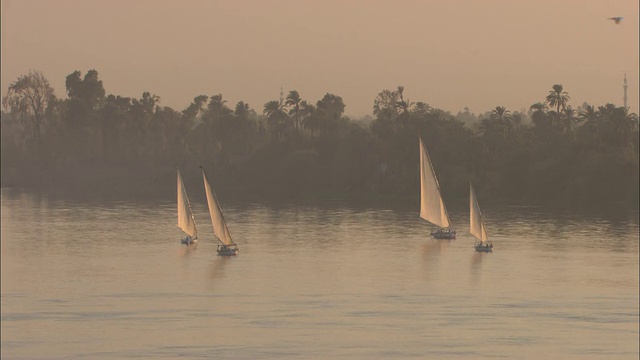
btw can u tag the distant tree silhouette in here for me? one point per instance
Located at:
(303, 148)
(293, 100)
(557, 97)
(28, 98)
(276, 117)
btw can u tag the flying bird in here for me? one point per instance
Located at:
(617, 19)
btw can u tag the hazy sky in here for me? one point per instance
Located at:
(448, 53)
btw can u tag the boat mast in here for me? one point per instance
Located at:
(182, 195)
(475, 207)
(435, 178)
(217, 204)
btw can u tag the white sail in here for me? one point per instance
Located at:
(476, 225)
(432, 207)
(217, 220)
(186, 221)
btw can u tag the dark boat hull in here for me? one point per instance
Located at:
(188, 241)
(444, 235)
(224, 250)
(484, 248)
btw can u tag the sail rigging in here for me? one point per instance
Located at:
(186, 221)
(476, 224)
(217, 219)
(432, 207)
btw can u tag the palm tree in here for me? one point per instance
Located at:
(623, 123)
(275, 116)
(538, 113)
(500, 113)
(558, 98)
(589, 115)
(242, 123)
(540, 117)
(242, 110)
(293, 99)
(421, 108)
(244, 128)
(502, 117)
(568, 117)
(615, 125)
(330, 108)
(539, 107)
(309, 120)
(217, 107)
(404, 106)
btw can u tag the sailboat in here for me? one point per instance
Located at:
(186, 221)
(476, 225)
(432, 207)
(220, 230)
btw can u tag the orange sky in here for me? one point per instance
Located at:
(448, 53)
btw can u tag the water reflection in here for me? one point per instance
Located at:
(476, 266)
(476, 260)
(432, 251)
(217, 267)
(186, 251)
(433, 248)
(333, 280)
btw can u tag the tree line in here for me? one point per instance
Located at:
(292, 148)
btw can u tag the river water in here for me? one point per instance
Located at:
(109, 279)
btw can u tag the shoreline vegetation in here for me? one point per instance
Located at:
(293, 150)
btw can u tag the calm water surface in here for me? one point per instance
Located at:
(110, 280)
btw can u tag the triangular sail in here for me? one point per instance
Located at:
(476, 225)
(217, 220)
(186, 221)
(432, 207)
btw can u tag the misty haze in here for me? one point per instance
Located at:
(362, 179)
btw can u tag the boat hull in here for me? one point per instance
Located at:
(484, 248)
(188, 241)
(444, 235)
(227, 250)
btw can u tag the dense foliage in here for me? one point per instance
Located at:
(294, 149)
